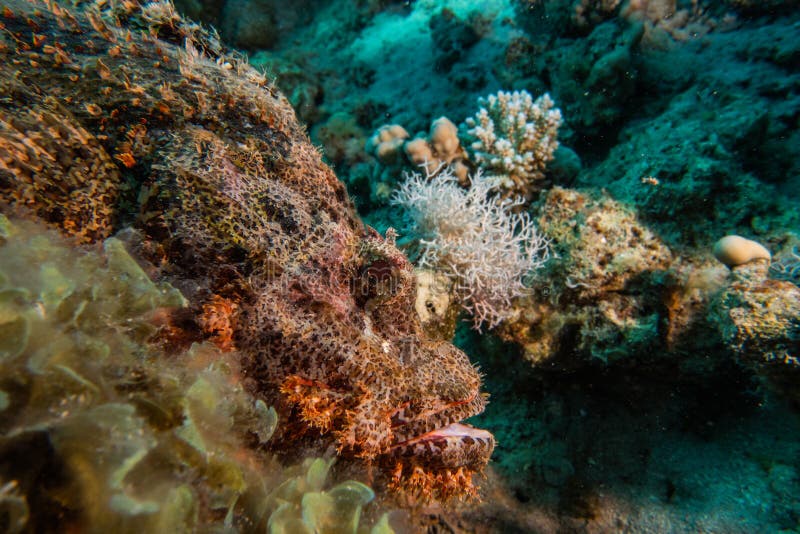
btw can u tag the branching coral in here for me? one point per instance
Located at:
(475, 239)
(513, 136)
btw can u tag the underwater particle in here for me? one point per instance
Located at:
(733, 250)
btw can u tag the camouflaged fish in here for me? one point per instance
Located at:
(122, 115)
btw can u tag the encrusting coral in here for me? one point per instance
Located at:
(236, 210)
(594, 297)
(759, 321)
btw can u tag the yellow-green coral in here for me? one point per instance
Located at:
(759, 322)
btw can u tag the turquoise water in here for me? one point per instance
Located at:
(599, 199)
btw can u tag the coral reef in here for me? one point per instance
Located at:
(236, 209)
(396, 152)
(694, 184)
(649, 446)
(475, 239)
(656, 398)
(590, 61)
(513, 137)
(638, 383)
(452, 37)
(343, 140)
(595, 297)
(759, 321)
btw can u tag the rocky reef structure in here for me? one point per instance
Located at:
(123, 115)
(759, 320)
(594, 298)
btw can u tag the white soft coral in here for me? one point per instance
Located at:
(473, 237)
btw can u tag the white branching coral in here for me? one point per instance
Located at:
(473, 236)
(513, 137)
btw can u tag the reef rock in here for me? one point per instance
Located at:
(759, 320)
(608, 268)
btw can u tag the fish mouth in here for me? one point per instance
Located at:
(453, 430)
(440, 464)
(408, 426)
(457, 445)
(438, 438)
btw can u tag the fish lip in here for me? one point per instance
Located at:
(476, 403)
(451, 430)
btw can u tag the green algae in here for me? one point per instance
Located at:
(128, 437)
(303, 506)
